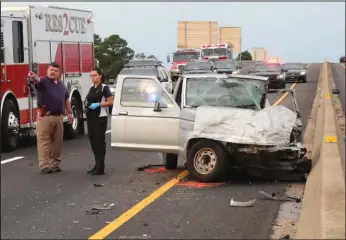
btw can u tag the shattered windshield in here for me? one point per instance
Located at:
(224, 92)
(195, 66)
(267, 68)
(293, 66)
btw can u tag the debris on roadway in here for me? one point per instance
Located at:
(99, 185)
(282, 199)
(242, 204)
(105, 206)
(148, 166)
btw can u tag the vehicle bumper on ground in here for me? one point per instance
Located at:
(276, 84)
(295, 78)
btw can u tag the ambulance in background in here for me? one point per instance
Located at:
(216, 52)
(31, 38)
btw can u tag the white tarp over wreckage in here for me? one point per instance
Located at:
(271, 126)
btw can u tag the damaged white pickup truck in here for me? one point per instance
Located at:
(213, 121)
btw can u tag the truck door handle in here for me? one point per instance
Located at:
(123, 113)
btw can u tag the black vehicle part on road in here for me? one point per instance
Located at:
(69, 130)
(9, 134)
(208, 147)
(170, 160)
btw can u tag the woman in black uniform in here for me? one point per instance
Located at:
(97, 103)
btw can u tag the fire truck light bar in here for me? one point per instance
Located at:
(214, 45)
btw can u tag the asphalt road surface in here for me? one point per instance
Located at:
(59, 205)
(338, 71)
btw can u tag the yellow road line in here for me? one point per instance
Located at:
(115, 224)
(111, 227)
(285, 95)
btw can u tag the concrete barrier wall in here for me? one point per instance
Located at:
(323, 210)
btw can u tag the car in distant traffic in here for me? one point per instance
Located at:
(198, 66)
(226, 66)
(342, 59)
(296, 72)
(272, 70)
(149, 67)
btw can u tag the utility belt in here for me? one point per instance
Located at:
(43, 112)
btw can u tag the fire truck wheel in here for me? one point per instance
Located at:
(72, 130)
(10, 126)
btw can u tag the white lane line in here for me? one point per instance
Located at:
(108, 131)
(308, 65)
(11, 160)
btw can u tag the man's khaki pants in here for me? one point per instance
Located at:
(50, 133)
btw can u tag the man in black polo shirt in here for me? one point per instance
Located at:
(52, 100)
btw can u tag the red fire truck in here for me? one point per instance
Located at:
(216, 52)
(180, 59)
(31, 38)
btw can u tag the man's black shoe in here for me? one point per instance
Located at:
(46, 170)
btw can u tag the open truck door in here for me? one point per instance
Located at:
(145, 117)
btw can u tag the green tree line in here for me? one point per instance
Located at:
(112, 53)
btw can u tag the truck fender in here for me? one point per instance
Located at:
(73, 90)
(5, 96)
(76, 91)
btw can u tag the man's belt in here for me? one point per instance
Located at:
(43, 112)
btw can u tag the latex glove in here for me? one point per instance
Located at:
(94, 106)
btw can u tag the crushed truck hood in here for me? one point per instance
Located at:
(271, 126)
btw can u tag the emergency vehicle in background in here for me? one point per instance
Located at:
(180, 59)
(31, 38)
(215, 52)
(273, 60)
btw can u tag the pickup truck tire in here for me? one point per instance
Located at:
(207, 161)
(170, 161)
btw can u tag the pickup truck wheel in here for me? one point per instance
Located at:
(170, 161)
(72, 130)
(9, 126)
(206, 161)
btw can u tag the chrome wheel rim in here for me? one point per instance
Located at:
(13, 126)
(205, 161)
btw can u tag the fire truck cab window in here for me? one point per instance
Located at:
(18, 41)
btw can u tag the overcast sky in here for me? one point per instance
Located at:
(296, 31)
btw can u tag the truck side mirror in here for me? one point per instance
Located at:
(168, 58)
